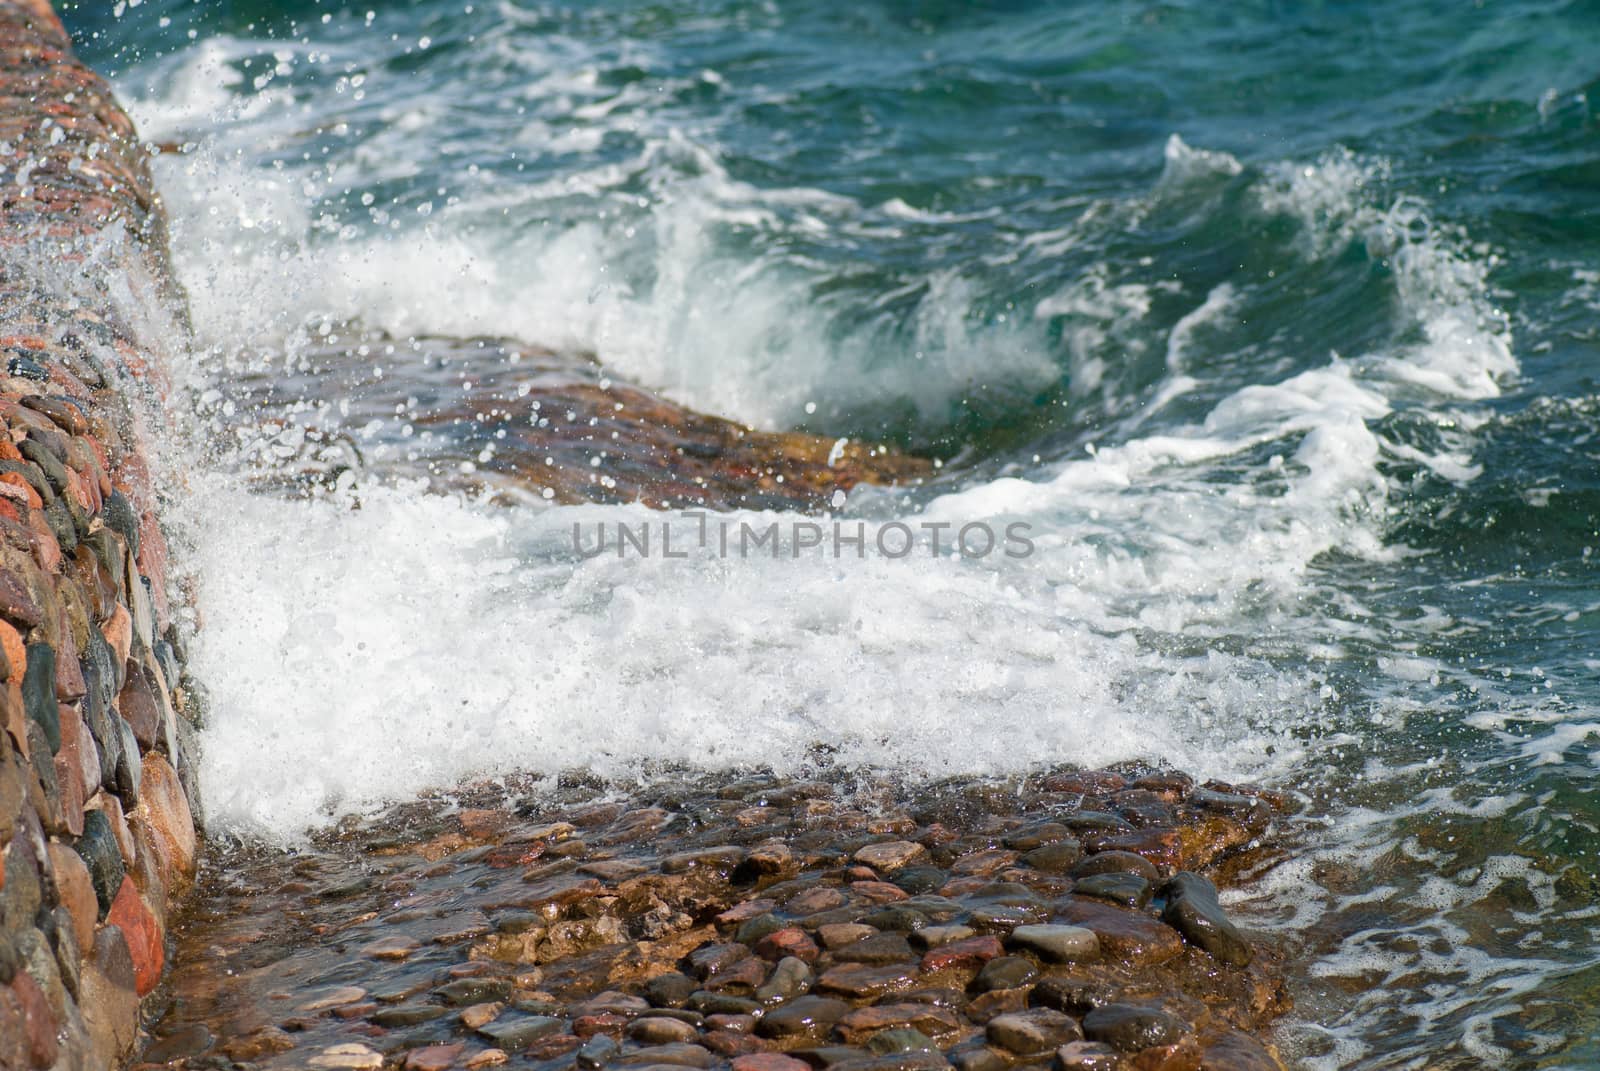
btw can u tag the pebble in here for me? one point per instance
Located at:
(769, 1061)
(930, 937)
(863, 1024)
(355, 1057)
(597, 1052)
(805, 1017)
(787, 942)
(518, 1031)
(1117, 862)
(1132, 1027)
(878, 950)
(888, 856)
(1090, 1056)
(675, 1055)
(659, 1030)
(1005, 972)
(1124, 934)
(1032, 1032)
(434, 1057)
(1192, 909)
(1131, 890)
(1057, 943)
(901, 1039)
(670, 990)
(838, 934)
(861, 981)
(790, 978)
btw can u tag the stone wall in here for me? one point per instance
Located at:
(97, 833)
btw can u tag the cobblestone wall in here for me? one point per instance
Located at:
(97, 833)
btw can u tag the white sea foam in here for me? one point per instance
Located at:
(360, 655)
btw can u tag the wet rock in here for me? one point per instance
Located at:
(659, 1030)
(1237, 1052)
(877, 950)
(394, 948)
(863, 1024)
(434, 1057)
(1133, 1027)
(1117, 862)
(1032, 1032)
(1130, 890)
(268, 1041)
(815, 900)
(967, 954)
(1003, 918)
(464, 991)
(1192, 909)
(77, 891)
(713, 959)
(164, 810)
(742, 978)
(480, 1014)
(789, 979)
(352, 1056)
(598, 1051)
(744, 912)
(1006, 972)
(920, 879)
(809, 1017)
(186, 1041)
(1057, 943)
(1077, 995)
(786, 943)
(859, 981)
(408, 1015)
(109, 1001)
(39, 692)
(1087, 1056)
(889, 856)
(901, 1041)
(30, 1025)
(896, 918)
(753, 930)
(986, 1006)
(518, 1031)
(722, 1004)
(839, 934)
(1124, 934)
(670, 990)
(324, 999)
(979, 1057)
(721, 860)
(674, 1055)
(143, 933)
(769, 1061)
(1055, 858)
(931, 937)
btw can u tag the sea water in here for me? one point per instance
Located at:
(1273, 324)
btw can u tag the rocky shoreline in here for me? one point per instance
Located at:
(1066, 921)
(97, 834)
(1069, 920)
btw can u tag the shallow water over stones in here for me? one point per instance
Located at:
(750, 923)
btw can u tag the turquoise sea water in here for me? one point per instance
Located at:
(1278, 320)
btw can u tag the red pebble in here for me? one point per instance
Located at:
(788, 942)
(879, 892)
(769, 1061)
(969, 954)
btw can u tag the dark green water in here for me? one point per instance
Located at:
(1278, 320)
